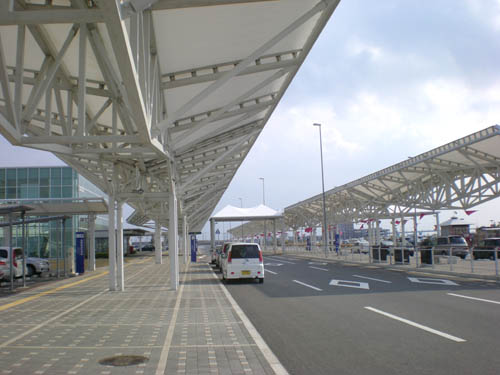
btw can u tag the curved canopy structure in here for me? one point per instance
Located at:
(151, 100)
(457, 175)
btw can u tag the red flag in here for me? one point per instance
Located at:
(422, 215)
(362, 225)
(470, 212)
(398, 222)
(364, 221)
(308, 229)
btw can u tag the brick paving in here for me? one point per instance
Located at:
(69, 330)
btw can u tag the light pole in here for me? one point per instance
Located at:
(264, 203)
(325, 239)
(242, 236)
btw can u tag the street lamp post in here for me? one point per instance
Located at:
(242, 236)
(264, 203)
(325, 239)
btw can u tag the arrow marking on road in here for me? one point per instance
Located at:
(431, 281)
(350, 284)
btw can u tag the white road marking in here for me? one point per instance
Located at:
(281, 260)
(371, 278)
(431, 281)
(318, 263)
(259, 341)
(317, 268)
(307, 285)
(474, 298)
(266, 270)
(350, 284)
(409, 322)
(273, 264)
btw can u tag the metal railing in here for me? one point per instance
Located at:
(475, 261)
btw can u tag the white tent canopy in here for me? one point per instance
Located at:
(260, 212)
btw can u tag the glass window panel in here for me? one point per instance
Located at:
(23, 192)
(67, 176)
(67, 191)
(33, 176)
(44, 191)
(11, 177)
(2, 192)
(55, 192)
(33, 192)
(2, 177)
(55, 176)
(44, 176)
(22, 176)
(11, 193)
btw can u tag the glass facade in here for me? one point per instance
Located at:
(20, 185)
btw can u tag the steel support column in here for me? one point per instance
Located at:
(173, 239)
(157, 241)
(119, 247)
(91, 231)
(112, 243)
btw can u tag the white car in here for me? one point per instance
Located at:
(5, 262)
(242, 261)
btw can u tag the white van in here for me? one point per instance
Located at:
(17, 265)
(242, 261)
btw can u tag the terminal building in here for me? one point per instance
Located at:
(49, 186)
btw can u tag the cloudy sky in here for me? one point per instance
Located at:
(387, 80)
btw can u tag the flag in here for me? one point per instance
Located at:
(398, 222)
(308, 229)
(422, 215)
(470, 212)
(362, 226)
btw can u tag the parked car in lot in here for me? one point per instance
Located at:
(37, 266)
(148, 247)
(17, 264)
(451, 245)
(242, 261)
(360, 245)
(487, 249)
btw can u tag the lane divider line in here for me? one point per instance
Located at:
(417, 325)
(274, 273)
(371, 278)
(318, 268)
(280, 260)
(307, 285)
(257, 338)
(473, 298)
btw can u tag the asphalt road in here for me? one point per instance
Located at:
(372, 321)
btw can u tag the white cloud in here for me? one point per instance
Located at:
(355, 46)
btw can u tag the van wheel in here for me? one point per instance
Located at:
(261, 281)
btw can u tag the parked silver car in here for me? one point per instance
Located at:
(37, 266)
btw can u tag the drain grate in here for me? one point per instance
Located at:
(123, 360)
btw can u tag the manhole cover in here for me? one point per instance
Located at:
(123, 360)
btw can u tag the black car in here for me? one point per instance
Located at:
(148, 247)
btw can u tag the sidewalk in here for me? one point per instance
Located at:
(71, 325)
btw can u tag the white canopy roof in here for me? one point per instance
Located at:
(232, 213)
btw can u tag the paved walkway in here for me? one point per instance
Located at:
(69, 326)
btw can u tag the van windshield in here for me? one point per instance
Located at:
(458, 240)
(244, 251)
(4, 253)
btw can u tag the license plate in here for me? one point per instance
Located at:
(245, 273)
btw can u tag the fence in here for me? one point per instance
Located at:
(475, 261)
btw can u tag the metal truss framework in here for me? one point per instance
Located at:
(149, 99)
(459, 175)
